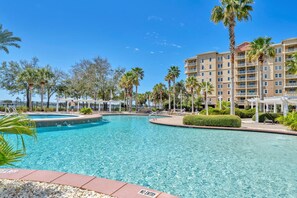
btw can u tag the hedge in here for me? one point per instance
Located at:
(86, 111)
(213, 120)
(270, 116)
(242, 113)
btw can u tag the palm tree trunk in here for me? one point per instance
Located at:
(27, 97)
(169, 95)
(30, 98)
(232, 50)
(130, 106)
(260, 83)
(174, 94)
(42, 90)
(192, 101)
(161, 101)
(136, 98)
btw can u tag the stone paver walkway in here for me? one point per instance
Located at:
(247, 125)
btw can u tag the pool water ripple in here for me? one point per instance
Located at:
(180, 161)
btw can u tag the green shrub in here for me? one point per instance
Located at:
(242, 113)
(270, 116)
(213, 120)
(22, 109)
(86, 111)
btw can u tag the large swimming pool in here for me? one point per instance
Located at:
(185, 162)
(47, 116)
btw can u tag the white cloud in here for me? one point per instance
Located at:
(136, 49)
(152, 52)
(154, 18)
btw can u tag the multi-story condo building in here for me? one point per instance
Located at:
(215, 67)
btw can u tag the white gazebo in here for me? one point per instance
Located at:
(88, 101)
(283, 101)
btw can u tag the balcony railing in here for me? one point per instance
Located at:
(242, 79)
(241, 65)
(240, 57)
(291, 76)
(190, 64)
(191, 70)
(292, 93)
(251, 64)
(291, 84)
(251, 78)
(251, 71)
(291, 50)
(241, 94)
(241, 86)
(251, 86)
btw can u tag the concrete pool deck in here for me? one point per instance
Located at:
(104, 186)
(247, 125)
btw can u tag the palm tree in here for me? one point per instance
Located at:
(292, 64)
(44, 75)
(169, 78)
(192, 84)
(127, 82)
(174, 72)
(148, 97)
(206, 88)
(139, 73)
(7, 39)
(229, 13)
(17, 125)
(159, 89)
(261, 50)
(29, 76)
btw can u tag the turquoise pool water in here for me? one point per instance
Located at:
(185, 162)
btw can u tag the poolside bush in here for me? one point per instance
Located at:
(290, 120)
(242, 113)
(213, 120)
(86, 111)
(270, 116)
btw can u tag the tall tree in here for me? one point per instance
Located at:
(292, 64)
(7, 40)
(159, 89)
(169, 78)
(44, 75)
(127, 82)
(191, 85)
(261, 50)
(139, 73)
(29, 76)
(174, 72)
(229, 12)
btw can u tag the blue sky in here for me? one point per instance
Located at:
(151, 34)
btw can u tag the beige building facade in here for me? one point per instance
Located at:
(215, 68)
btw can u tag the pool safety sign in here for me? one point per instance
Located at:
(148, 193)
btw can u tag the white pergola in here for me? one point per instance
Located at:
(283, 101)
(88, 101)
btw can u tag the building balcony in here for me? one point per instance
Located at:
(251, 86)
(241, 87)
(291, 50)
(289, 59)
(240, 57)
(291, 93)
(190, 64)
(241, 65)
(241, 72)
(291, 85)
(191, 71)
(240, 101)
(251, 79)
(251, 71)
(251, 64)
(291, 76)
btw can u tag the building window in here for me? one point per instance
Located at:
(202, 80)
(209, 59)
(228, 92)
(265, 91)
(280, 59)
(279, 50)
(228, 78)
(202, 60)
(265, 76)
(279, 75)
(228, 57)
(202, 74)
(276, 91)
(228, 85)
(228, 64)
(229, 99)
(280, 82)
(265, 83)
(202, 67)
(280, 91)
(210, 80)
(228, 71)
(276, 83)
(209, 66)
(265, 68)
(210, 73)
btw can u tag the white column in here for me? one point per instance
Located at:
(110, 106)
(252, 104)
(286, 108)
(67, 106)
(89, 104)
(57, 106)
(264, 109)
(99, 107)
(77, 106)
(120, 108)
(257, 110)
(274, 108)
(267, 107)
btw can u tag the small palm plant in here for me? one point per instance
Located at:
(19, 126)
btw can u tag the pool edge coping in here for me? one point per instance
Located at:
(254, 130)
(109, 187)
